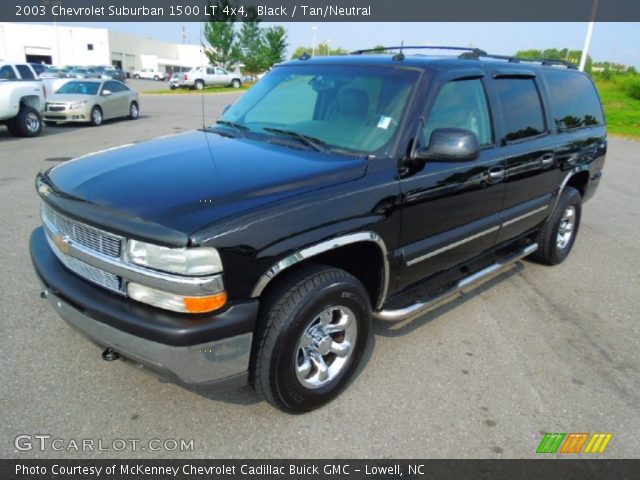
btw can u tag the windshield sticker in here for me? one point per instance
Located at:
(384, 122)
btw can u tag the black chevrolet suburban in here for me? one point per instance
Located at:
(337, 190)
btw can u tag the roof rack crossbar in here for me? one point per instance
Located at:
(419, 47)
(470, 53)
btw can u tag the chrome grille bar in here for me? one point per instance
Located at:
(90, 237)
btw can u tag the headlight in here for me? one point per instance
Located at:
(77, 105)
(177, 303)
(183, 261)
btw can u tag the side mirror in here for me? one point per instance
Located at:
(106, 93)
(450, 145)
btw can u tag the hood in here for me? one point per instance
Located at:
(188, 181)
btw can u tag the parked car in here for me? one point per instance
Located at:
(115, 74)
(53, 72)
(200, 77)
(337, 190)
(174, 80)
(83, 72)
(22, 98)
(149, 74)
(91, 101)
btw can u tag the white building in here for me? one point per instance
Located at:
(68, 45)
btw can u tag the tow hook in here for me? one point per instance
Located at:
(109, 355)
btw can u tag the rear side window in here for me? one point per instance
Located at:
(25, 72)
(7, 73)
(461, 104)
(574, 101)
(521, 108)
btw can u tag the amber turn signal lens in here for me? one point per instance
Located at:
(205, 304)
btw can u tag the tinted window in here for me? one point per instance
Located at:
(220, 71)
(461, 104)
(7, 73)
(25, 72)
(83, 88)
(112, 86)
(521, 107)
(574, 100)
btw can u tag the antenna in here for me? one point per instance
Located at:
(398, 57)
(184, 34)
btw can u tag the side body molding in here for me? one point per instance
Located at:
(326, 246)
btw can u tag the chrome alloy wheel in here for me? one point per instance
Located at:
(32, 122)
(567, 225)
(96, 114)
(133, 111)
(326, 346)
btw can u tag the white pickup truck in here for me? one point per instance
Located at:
(149, 74)
(22, 99)
(200, 77)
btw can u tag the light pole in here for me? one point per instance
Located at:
(587, 40)
(313, 40)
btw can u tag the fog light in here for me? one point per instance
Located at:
(176, 303)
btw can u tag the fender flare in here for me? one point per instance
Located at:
(325, 246)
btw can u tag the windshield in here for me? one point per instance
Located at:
(356, 108)
(83, 88)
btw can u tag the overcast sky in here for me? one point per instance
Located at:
(618, 42)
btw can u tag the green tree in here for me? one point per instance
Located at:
(300, 51)
(251, 42)
(275, 45)
(378, 49)
(219, 33)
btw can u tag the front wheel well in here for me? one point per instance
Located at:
(364, 260)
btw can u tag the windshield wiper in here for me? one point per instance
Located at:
(234, 125)
(312, 142)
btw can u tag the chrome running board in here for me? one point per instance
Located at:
(462, 287)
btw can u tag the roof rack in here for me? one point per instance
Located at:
(470, 53)
(420, 47)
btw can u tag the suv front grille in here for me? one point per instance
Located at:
(89, 237)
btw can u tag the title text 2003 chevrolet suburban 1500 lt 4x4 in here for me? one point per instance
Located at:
(336, 190)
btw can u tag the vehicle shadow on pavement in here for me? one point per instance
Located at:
(398, 328)
(46, 132)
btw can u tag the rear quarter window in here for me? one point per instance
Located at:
(574, 100)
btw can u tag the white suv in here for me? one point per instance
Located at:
(200, 77)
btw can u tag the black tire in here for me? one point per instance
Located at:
(235, 83)
(156, 78)
(199, 85)
(551, 250)
(134, 111)
(292, 308)
(137, 77)
(172, 87)
(96, 118)
(28, 123)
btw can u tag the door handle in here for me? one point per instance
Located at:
(547, 159)
(496, 174)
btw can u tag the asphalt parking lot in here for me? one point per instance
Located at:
(537, 350)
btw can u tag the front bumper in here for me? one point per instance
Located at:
(205, 350)
(77, 115)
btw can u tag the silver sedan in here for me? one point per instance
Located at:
(91, 101)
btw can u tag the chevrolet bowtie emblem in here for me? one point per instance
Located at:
(63, 243)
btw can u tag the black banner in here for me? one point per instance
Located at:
(535, 469)
(320, 10)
